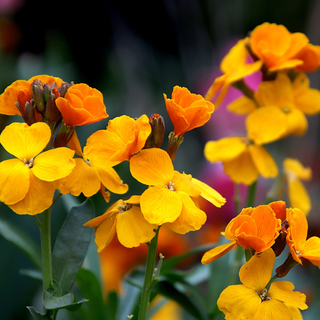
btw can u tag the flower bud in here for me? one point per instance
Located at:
(283, 270)
(52, 113)
(29, 114)
(280, 242)
(158, 128)
(38, 96)
(174, 143)
(63, 136)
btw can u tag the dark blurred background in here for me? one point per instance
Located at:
(133, 52)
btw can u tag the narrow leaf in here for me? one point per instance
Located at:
(36, 315)
(71, 245)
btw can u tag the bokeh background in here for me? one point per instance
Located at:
(133, 52)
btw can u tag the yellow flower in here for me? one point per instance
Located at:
(125, 219)
(283, 106)
(243, 159)
(91, 171)
(254, 300)
(27, 184)
(169, 199)
(234, 68)
(298, 195)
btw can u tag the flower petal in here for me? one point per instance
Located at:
(272, 309)
(256, 273)
(152, 167)
(14, 181)
(242, 105)
(111, 180)
(311, 251)
(298, 195)
(23, 141)
(217, 252)
(105, 232)
(133, 229)
(54, 164)
(160, 205)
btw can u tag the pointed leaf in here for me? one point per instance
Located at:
(71, 245)
(36, 315)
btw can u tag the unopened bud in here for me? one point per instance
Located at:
(52, 113)
(158, 128)
(174, 143)
(63, 136)
(38, 96)
(280, 242)
(283, 270)
(29, 114)
(64, 88)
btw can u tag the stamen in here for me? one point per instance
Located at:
(87, 162)
(28, 163)
(170, 186)
(264, 295)
(298, 253)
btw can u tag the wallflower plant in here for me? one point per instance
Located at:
(50, 164)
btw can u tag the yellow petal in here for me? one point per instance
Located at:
(256, 273)
(152, 167)
(217, 252)
(191, 217)
(224, 149)
(38, 198)
(298, 195)
(297, 122)
(241, 169)
(266, 124)
(263, 161)
(105, 232)
(54, 164)
(242, 105)
(183, 182)
(74, 144)
(133, 229)
(272, 309)
(14, 181)
(83, 178)
(238, 302)
(160, 205)
(283, 291)
(23, 141)
(311, 250)
(294, 168)
(111, 180)
(209, 193)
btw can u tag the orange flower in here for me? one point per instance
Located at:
(297, 241)
(81, 105)
(279, 49)
(187, 110)
(234, 67)
(255, 228)
(20, 92)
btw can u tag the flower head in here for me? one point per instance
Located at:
(255, 228)
(125, 219)
(187, 110)
(81, 105)
(27, 183)
(297, 241)
(298, 195)
(254, 300)
(169, 199)
(243, 160)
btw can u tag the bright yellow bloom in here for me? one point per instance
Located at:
(187, 110)
(280, 49)
(253, 300)
(125, 219)
(234, 67)
(27, 184)
(297, 241)
(243, 159)
(298, 195)
(91, 171)
(123, 138)
(169, 199)
(255, 228)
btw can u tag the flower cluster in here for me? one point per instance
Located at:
(265, 231)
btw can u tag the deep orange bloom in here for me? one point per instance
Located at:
(20, 92)
(187, 110)
(255, 228)
(297, 241)
(81, 105)
(279, 49)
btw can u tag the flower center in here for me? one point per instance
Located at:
(264, 295)
(28, 163)
(124, 207)
(298, 253)
(170, 186)
(87, 162)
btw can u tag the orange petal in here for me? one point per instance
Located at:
(279, 208)
(311, 251)
(111, 180)
(105, 232)
(217, 252)
(272, 309)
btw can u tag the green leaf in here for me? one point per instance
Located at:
(90, 287)
(36, 315)
(71, 245)
(51, 302)
(22, 241)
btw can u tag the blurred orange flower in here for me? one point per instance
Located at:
(280, 49)
(297, 241)
(255, 228)
(187, 110)
(234, 67)
(81, 105)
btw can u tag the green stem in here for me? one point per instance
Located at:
(237, 198)
(251, 194)
(238, 256)
(148, 279)
(45, 232)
